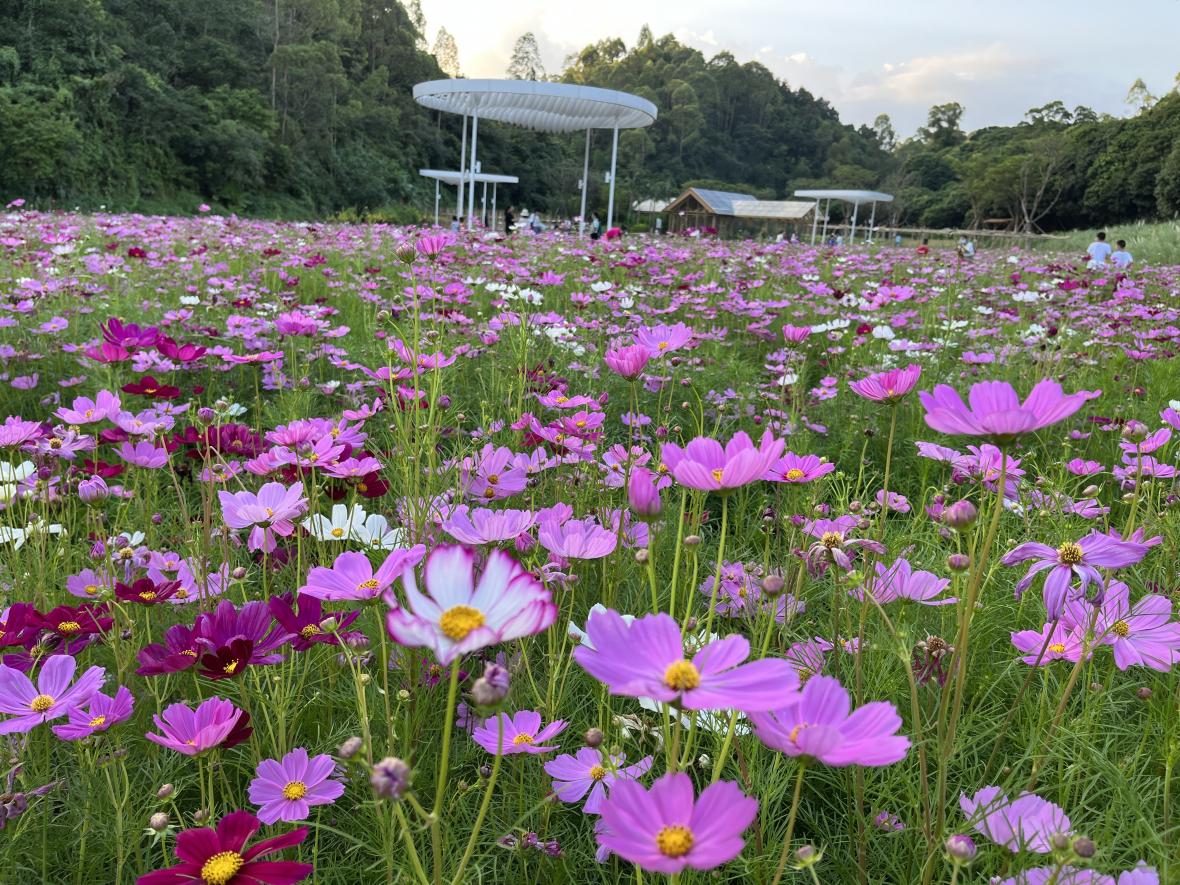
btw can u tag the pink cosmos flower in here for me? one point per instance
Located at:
(798, 468)
(102, 712)
(1055, 874)
(285, 790)
(272, 511)
(627, 362)
(796, 334)
(1026, 823)
(51, 698)
(460, 616)
(996, 412)
(660, 340)
(888, 387)
(900, 581)
(1056, 641)
(433, 245)
(665, 829)
(522, 733)
(818, 725)
(352, 577)
(577, 538)
(643, 493)
(646, 658)
(590, 773)
(1081, 559)
(215, 723)
(90, 411)
(704, 465)
(1141, 635)
(483, 526)
(1081, 467)
(143, 454)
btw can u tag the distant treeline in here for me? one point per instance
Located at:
(303, 108)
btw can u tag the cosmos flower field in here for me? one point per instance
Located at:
(370, 554)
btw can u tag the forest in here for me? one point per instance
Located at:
(302, 109)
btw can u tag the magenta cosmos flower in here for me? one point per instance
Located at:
(900, 581)
(220, 857)
(887, 387)
(577, 538)
(590, 773)
(819, 726)
(704, 465)
(272, 511)
(627, 362)
(1141, 635)
(798, 468)
(51, 698)
(996, 412)
(215, 723)
(483, 526)
(1081, 559)
(102, 712)
(645, 658)
(665, 829)
(523, 733)
(1026, 823)
(286, 790)
(352, 577)
(457, 615)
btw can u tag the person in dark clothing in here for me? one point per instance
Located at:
(509, 220)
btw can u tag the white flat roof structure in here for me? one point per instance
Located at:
(855, 197)
(545, 107)
(455, 177)
(776, 210)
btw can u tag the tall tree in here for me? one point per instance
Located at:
(942, 129)
(446, 53)
(526, 63)
(1139, 97)
(884, 132)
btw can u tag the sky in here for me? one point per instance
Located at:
(899, 57)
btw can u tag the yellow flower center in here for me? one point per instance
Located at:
(682, 676)
(674, 841)
(295, 790)
(147, 595)
(794, 735)
(831, 539)
(91, 589)
(563, 399)
(181, 593)
(222, 867)
(190, 652)
(1121, 628)
(337, 533)
(309, 631)
(41, 703)
(522, 739)
(794, 474)
(459, 620)
(230, 668)
(269, 512)
(493, 478)
(1057, 648)
(597, 773)
(371, 584)
(663, 345)
(1070, 553)
(580, 423)
(717, 474)
(98, 721)
(69, 627)
(489, 492)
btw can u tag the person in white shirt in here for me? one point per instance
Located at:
(1099, 251)
(1121, 258)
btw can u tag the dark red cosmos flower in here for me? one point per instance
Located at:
(220, 857)
(303, 622)
(145, 591)
(148, 386)
(94, 467)
(18, 624)
(177, 652)
(136, 252)
(71, 622)
(227, 661)
(185, 353)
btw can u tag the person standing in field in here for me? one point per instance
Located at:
(1121, 258)
(1099, 251)
(509, 220)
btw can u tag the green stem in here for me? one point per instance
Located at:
(786, 852)
(483, 806)
(444, 764)
(717, 568)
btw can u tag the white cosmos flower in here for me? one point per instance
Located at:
(375, 531)
(338, 526)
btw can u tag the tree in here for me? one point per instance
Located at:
(884, 132)
(446, 53)
(942, 126)
(418, 20)
(1053, 112)
(1139, 98)
(526, 61)
(645, 41)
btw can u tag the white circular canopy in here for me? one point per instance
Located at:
(454, 176)
(847, 196)
(545, 107)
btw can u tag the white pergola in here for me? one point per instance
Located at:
(454, 178)
(544, 107)
(856, 198)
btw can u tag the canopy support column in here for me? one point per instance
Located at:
(471, 190)
(585, 186)
(483, 206)
(495, 219)
(610, 205)
(437, 198)
(872, 220)
(462, 166)
(827, 212)
(852, 234)
(814, 220)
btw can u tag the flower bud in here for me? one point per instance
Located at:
(958, 562)
(329, 624)
(390, 778)
(1083, 847)
(960, 515)
(159, 821)
(593, 737)
(643, 496)
(165, 791)
(772, 585)
(1134, 431)
(960, 848)
(1059, 841)
(641, 556)
(491, 688)
(691, 541)
(93, 490)
(206, 415)
(406, 253)
(1144, 693)
(238, 573)
(806, 855)
(350, 748)
(200, 816)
